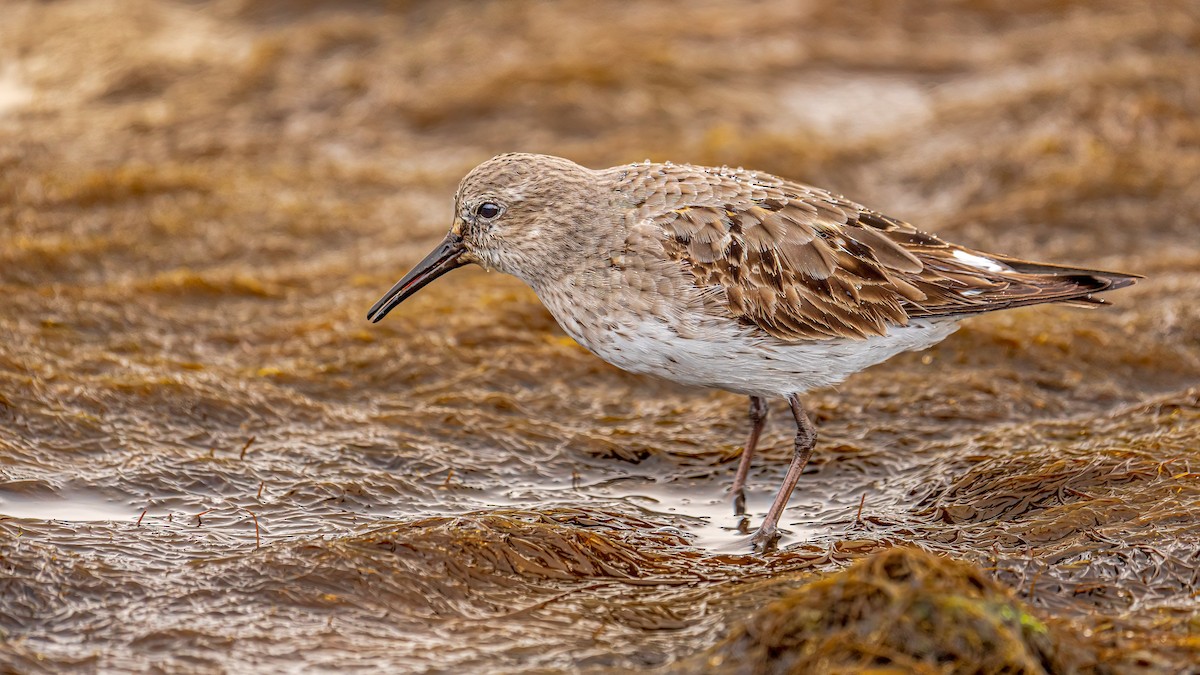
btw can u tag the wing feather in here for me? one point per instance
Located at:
(803, 264)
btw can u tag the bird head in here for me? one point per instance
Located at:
(515, 213)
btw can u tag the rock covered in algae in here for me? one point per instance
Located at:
(902, 610)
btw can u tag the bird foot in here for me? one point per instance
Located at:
(764, 541)
(739, 502)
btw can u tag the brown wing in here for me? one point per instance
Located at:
(804, 264)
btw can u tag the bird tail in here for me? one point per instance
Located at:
(1083, 284)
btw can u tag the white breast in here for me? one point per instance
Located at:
(724, 355)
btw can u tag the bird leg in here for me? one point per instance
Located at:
(806, 438)
(758, 417)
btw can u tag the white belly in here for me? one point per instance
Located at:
(725, 356)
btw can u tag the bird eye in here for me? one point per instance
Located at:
(487, 210)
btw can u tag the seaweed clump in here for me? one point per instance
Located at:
(902, 610)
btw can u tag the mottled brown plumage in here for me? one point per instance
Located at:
(802, 264)
(730, 279)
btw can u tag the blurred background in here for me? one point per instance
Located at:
(211, 461)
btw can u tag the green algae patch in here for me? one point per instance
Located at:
(902, 610)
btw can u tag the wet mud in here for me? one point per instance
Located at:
(210, 461)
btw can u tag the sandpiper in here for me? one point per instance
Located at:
(728, 278)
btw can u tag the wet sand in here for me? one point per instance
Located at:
(210, 461)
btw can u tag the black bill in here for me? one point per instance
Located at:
(447, 256)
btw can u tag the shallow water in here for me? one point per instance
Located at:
(79, 506)
(210, 461)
